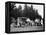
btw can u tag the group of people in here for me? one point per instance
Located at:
(20, 21)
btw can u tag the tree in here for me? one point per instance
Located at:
(12, 6)
(19, 7)
(25, 11)
(20, 11)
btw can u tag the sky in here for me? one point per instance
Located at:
(36, 7)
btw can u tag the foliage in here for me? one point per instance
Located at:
(27, 12)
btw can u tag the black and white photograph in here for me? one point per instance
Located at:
(24, 17)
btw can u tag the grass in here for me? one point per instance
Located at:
(26, 28)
